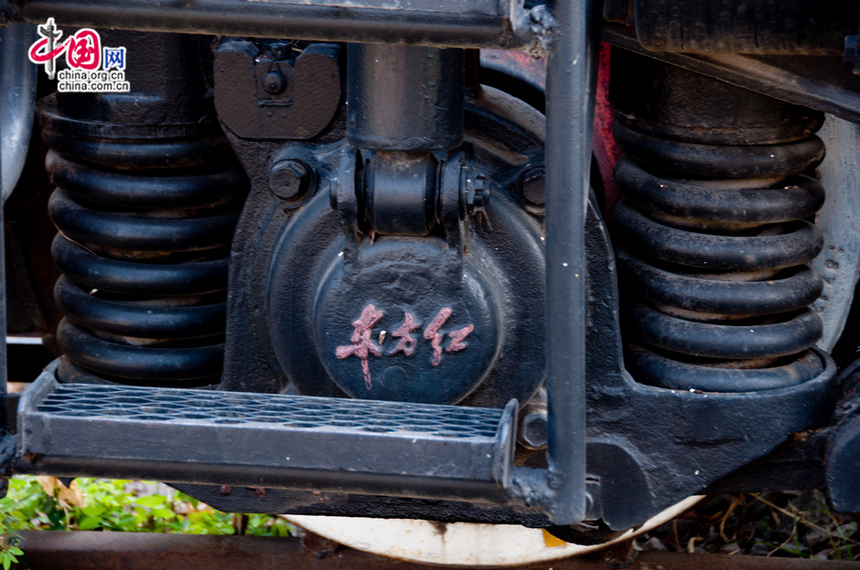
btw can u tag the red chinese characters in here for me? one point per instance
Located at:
(41, 52)
(431, 333)
(406, 344)
(362, 346)
(457, 338)
(83, 50)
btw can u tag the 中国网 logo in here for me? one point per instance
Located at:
(92, 68)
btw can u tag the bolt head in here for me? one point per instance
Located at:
(533, 431)
(289, 179)
(274, 83)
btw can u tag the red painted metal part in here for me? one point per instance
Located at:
(604, 148)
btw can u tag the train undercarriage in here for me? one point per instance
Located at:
(554, 265)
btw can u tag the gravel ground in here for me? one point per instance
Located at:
(792, 524)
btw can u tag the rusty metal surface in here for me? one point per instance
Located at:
(132, 551)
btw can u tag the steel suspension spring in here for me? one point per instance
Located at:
(716, 238)
(146, 216)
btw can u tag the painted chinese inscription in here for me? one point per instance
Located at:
(362, 346)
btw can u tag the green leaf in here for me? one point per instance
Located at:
(93, 510)
(151, 500)
(163, 513)
(89, 523)
(7, 561)
(15, 550)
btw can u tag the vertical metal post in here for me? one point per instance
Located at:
(571, 83)
(7, 439)
(18, 96)
(4, 418)
(404, 98)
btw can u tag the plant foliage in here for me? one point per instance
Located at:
(47, 503)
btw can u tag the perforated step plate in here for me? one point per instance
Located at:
(303, 442)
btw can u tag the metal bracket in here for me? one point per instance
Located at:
(274, 93)
(819, 82)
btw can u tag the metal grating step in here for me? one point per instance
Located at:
(300, 441)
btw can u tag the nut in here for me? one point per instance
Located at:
(533, 187)
(289, 179)
(533, 430)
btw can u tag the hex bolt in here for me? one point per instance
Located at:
(289, 179)
(274, 82)
(533, 429)
(533, 187)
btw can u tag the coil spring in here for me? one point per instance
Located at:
(146, 217)
(715, 247)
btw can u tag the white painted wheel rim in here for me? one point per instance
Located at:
(461, 543)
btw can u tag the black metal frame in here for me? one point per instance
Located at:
(821, 82)
(451, 23)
